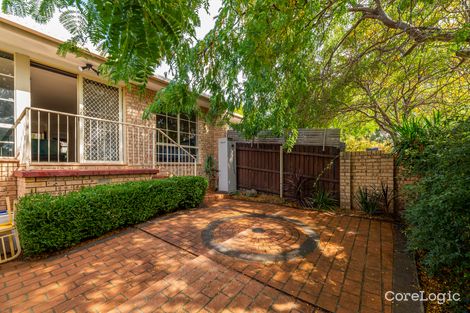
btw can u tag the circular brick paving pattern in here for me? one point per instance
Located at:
(260, 237)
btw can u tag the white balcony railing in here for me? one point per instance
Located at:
(45, 136)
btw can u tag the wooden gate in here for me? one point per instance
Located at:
(258, 167)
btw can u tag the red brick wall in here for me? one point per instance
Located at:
(208, 140)
(63, 185)
(135, 105)
(139, 141)
(7, 181)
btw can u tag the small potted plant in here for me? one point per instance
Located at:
(210, 171)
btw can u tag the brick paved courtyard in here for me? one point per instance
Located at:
(230, 256)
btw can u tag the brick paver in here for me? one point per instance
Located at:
(164, 265)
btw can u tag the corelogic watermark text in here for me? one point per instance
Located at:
(421, 296)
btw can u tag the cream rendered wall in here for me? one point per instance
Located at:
(22, 99)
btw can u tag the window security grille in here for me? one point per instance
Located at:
(101, 138)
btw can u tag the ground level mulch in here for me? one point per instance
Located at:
(434, 284)
(274, 199)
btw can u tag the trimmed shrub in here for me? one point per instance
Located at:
(49, 223)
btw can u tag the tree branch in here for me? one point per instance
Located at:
(419, 34)
(350, 30)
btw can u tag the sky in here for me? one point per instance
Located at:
(54, 29)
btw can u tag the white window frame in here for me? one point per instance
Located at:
(10, 126)
(178, 135)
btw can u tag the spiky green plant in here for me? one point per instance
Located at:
(209, 166)
(321, 200)
(368, 199)
(414, 133)
(386, 197)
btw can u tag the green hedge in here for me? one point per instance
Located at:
(49, 223)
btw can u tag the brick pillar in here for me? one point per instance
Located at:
(345, 184)
(7, 182)
(21, 185)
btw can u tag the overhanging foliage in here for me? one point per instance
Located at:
(284, 64)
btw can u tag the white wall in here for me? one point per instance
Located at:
(22, 99)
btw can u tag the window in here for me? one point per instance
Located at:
(7, 105)
(101, 138)
(182, 129)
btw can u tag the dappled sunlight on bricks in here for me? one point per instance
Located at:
(167, 266)
(90, 276)
(329, 249)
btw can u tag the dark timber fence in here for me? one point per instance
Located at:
(259, 167)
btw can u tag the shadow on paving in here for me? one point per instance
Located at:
(164, 266)
(405, 276)
(348, 271)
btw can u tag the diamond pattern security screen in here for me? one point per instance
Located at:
(101, 139)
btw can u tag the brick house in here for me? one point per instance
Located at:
(63, 127)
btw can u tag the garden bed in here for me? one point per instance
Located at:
(274, 199)
(438, 284)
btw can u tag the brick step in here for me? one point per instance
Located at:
(211, 197)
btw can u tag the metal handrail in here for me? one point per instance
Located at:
(169, 140)
(102, 120)
(19, 118)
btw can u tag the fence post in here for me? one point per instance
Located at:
(281, 171)
(154, 150)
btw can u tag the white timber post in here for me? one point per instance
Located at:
(22, 101)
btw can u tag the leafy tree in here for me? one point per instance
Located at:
(387, 88)
(284, 63)
(291, 64)
(134, 35)
(422, 22)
